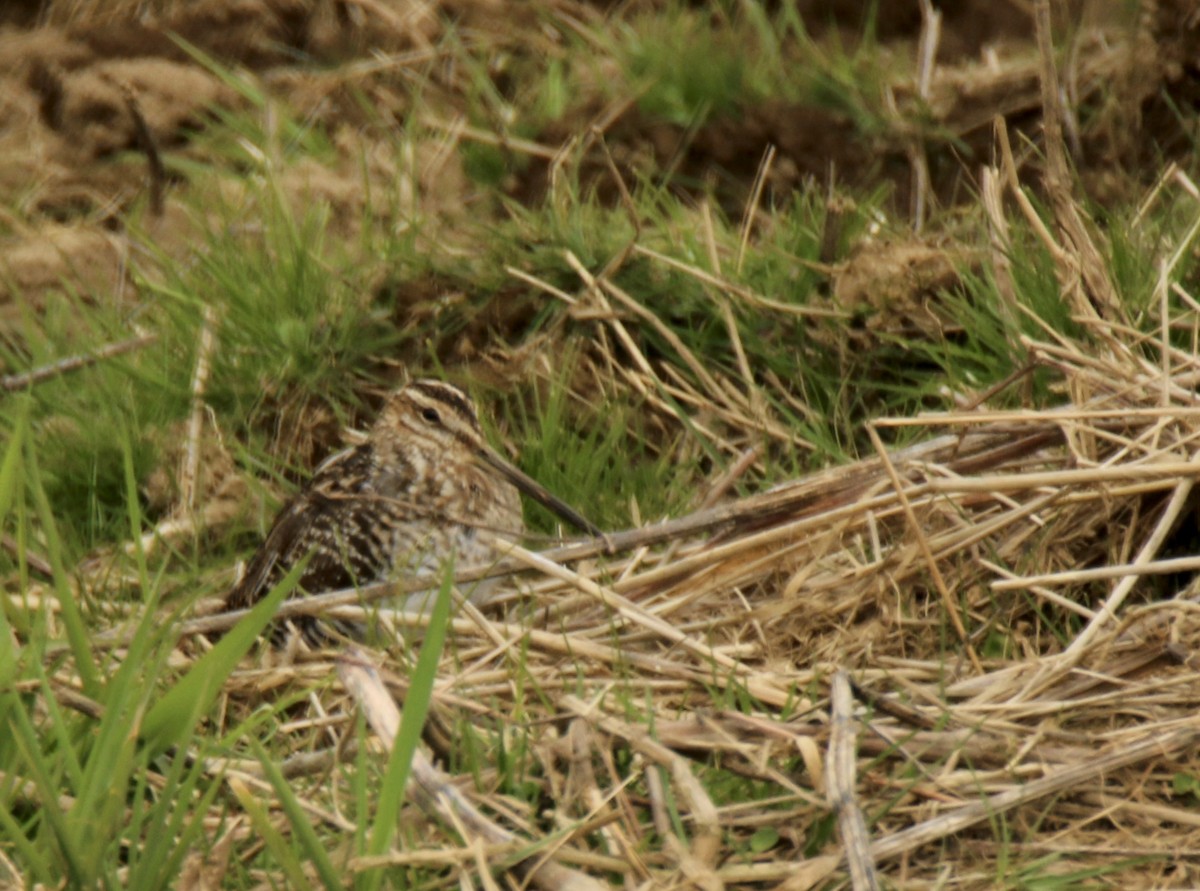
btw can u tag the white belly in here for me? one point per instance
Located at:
(469, 550)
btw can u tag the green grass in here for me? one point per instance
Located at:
(313, 319)
(99, 783)
(687, 64)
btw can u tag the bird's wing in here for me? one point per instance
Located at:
(320, 519)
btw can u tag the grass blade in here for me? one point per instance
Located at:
(412, 721)
(284, 856)
(173, 716)
(301, 828)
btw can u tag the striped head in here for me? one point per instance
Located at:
(435, 424)
(435, 418)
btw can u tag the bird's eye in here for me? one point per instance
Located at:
(431, 415)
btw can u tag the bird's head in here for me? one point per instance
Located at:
(439, 420)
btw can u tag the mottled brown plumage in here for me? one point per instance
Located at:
(418, 490)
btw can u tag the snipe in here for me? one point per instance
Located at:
(417, 491)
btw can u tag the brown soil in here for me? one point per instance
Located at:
(67, 137)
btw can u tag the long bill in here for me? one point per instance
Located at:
(538, 492)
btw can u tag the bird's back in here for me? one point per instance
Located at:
(370, 513)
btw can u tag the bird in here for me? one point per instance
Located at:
(416, 493)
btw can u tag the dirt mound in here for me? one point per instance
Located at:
(65, 87)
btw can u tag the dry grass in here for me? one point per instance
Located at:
(986, 589)
(1037, 526)
(668, 706)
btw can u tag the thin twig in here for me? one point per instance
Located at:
(12, 382)
(756, 191)
(35, 561)
(145, 137)
(190, 470)
(840, 780)
(931, 30)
